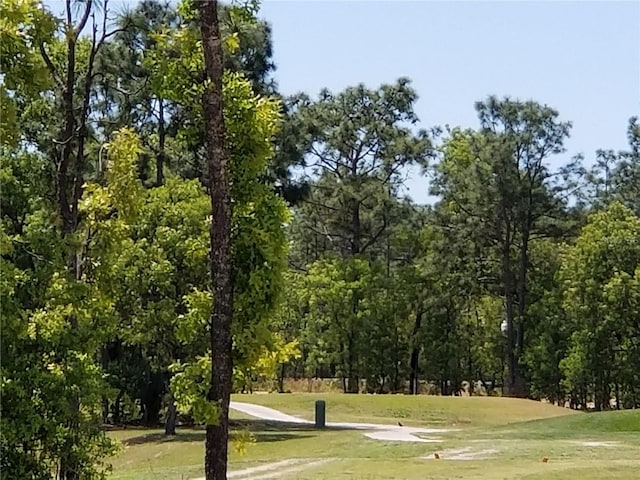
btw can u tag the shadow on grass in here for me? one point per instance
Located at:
(263, 430)
(269, 426)
(259, 425)
(182, 436)
(279, 437)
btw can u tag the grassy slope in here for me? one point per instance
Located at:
(420, 410)
(522, 431)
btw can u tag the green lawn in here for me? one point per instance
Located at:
(422, 410)
(513, 435)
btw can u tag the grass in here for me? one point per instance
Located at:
(521, 432)
(422, 410)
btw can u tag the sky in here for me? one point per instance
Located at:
(581, 58)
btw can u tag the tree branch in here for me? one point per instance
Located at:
(50, 66)
(85, 16)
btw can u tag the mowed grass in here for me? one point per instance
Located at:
(518, 434)
(421, 410)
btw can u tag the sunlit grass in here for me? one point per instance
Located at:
(519, 432)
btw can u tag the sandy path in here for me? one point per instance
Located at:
(275, 469)
(245, 472)
(390, 433)
(298, 466)
(466, 453)
(266, 413)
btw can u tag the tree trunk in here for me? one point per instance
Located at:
(514, 383)
(281, 379)
(172, 415)
(352, 376)
(73, 136)
(522, 307)
(117, 418)
(396, 364)
(104, 361)
(216, 444)
(105, 409)
(415, 355)
(161, 142)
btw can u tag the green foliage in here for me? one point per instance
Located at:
(52, 326)
(106, 318)
(498, 192)
(337, 323)
(259, 244)
(157, 273)
(548, 338)
(24, 24)
(616, 176)
(190, 385)
(601, 296)
(357, 143)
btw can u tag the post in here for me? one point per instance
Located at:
(320, 414)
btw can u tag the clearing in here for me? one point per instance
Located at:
(486, 437)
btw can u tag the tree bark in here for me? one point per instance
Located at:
(221, 261)
(117, 418)
(352, 376)
(73, 134)
(415, 355)
(281, 379)
(509, 300)
(522, 303)
(172, 415)
(161, 142)
(515, 384)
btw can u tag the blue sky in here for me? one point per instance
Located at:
(582, 58)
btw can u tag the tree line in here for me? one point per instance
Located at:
(523, 275)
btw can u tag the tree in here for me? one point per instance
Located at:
(47, 360)
(500, 190)
(356, 145)
(66, 319)
(600, 287)
(548, 338)
(125, 96)
(74, 95)
(221, 261)
(616, 176)
(131, 91)
(161, 263)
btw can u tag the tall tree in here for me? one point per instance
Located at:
(71, 60)
(357, 144)
(221, 261)
(498, 182)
